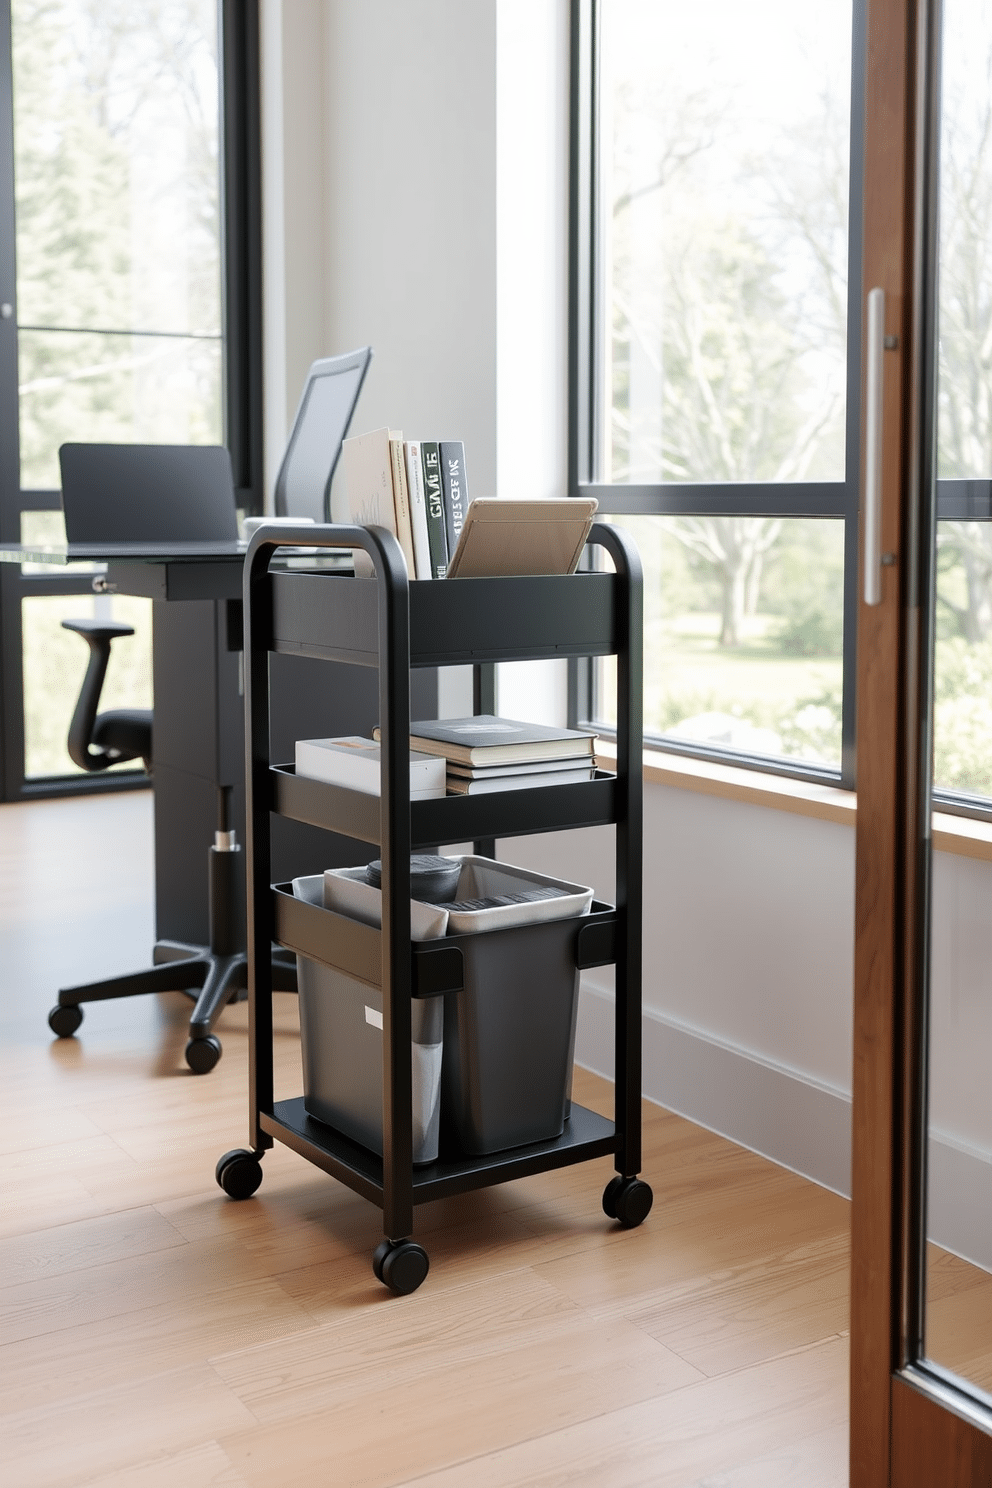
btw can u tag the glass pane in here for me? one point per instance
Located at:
(113, 389)
(963, 661)
(965, 294)
(54, 664)
(744, 632)
(958, 1318)
(118, 223)
(723, 239)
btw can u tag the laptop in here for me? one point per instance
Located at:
(147, 493)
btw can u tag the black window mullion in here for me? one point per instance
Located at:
(764, 499)
(242, 256)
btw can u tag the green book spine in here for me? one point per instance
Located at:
(455, 488)
(434, 493)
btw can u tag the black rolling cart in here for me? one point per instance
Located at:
(393, 625)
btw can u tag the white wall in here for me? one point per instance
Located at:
(411, 215)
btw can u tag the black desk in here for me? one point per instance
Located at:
(199, 712)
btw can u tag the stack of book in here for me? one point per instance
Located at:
(416, 488)
(485, 753)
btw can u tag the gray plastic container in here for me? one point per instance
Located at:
(341, 1036)
(493, 1061)
(509, 1038)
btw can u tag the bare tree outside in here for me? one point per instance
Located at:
(963, 663)
(727, 267)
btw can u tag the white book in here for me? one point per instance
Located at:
(418, 508)
(401, 500)
(368, 480)
(354, 762)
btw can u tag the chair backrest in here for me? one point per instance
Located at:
(113, 493)
(303, 486)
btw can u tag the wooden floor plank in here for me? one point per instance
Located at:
(103, 1240)
(108, 1429)
(755, 1310)
(568, 1370)
(55, 1367)
(664, 1442)
(204, 1466)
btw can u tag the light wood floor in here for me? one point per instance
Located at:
(155, 1333)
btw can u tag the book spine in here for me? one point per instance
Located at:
(455, 487)
(418, 508)
(434, 493)
(401, 502)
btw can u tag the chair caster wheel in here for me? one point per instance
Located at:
(63, 1021)
(203, 1053)
(239, 1173)
(628, 1200)
(401, 1266)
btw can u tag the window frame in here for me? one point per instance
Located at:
(241, 302)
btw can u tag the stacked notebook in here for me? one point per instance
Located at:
(485, 753)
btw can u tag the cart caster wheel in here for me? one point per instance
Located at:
(379, 1255)
(401, 1267)
(203, 1053)
(63, 1021)
(610, 1196)
(628, 1200)
(239, 1173)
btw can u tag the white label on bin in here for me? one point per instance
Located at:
(371, 1016)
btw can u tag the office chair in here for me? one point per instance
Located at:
(118, 493)
(330, 392)
(156, 493)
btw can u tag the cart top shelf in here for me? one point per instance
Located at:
(335, 617)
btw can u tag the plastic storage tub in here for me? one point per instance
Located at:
(341, 1036)
(493, 1061)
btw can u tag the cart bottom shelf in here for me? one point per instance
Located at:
(586, 1135)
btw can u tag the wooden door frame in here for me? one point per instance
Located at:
(910, 1425)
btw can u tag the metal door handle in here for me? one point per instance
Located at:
(874, 383)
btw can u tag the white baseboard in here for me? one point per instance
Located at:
(784, 1116)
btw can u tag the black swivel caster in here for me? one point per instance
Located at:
(239, 1173)
(203, 1053)
(63, 1021)
(401, 1266)
(628, 1200)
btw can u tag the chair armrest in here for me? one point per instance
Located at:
(98, 635)
(100, 630)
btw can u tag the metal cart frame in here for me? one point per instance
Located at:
(392, 625)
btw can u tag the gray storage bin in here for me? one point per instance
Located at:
(341, 1036)
(502, 1067)
(509, 1038)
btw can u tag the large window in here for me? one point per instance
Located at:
(715, 411)
(716, 369)
(133, 227)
